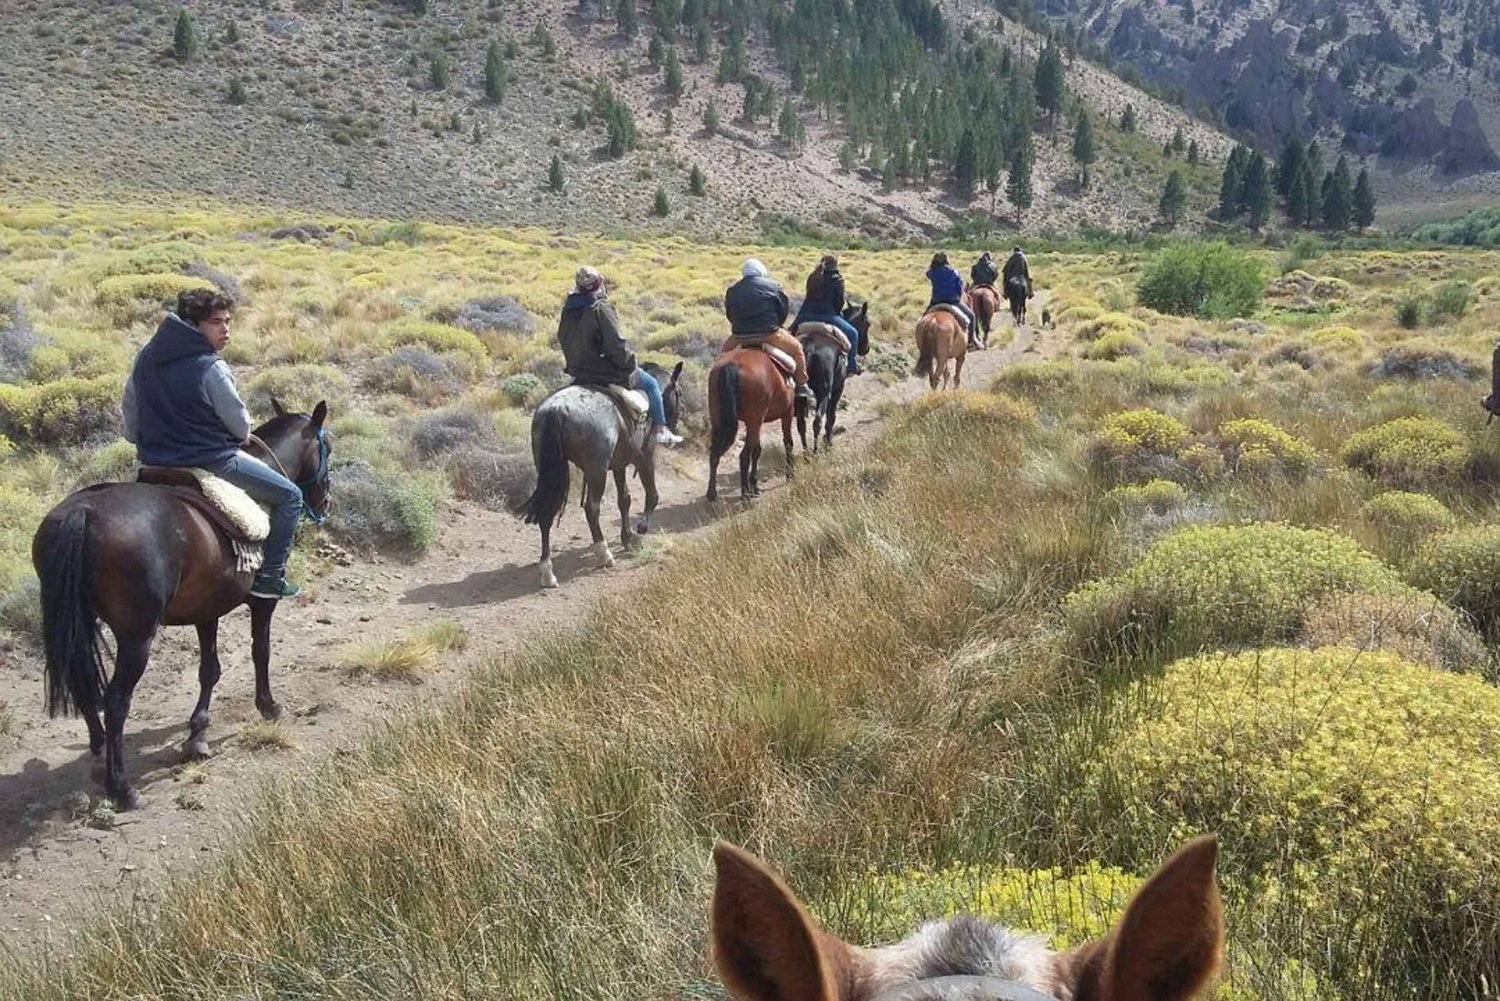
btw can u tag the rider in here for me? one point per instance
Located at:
(984, 271)
(757, 309)
(825, 304)
(596, 353)
(181, 408)
(948, 287)
(1017, 266)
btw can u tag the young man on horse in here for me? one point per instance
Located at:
(948, 288)
(182, 409)
(825, 304)
(596, 353)
(1016, 267)
(984, 271)
(757, 309)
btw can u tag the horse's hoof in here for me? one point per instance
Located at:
(643, 527)
(549, 579)
(606, 558)
(196, 749)
(127, 800)
(270, 711)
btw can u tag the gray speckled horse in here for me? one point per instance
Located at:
(583, 426)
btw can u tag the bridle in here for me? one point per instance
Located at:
(320, 476)
(963, 988)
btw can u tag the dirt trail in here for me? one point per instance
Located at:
(61, 857)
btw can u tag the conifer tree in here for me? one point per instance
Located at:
(1232, 184)
(697, 183)
(672, 75)
(711, 118)
(627, 19)
(495, 75)
(1018, 186)
(555, 175)
(1173, 199)
(1338, 203)
(1289, 167)
(965, 165)
(184, 37)
(1364, 201)
(1083, 147)
(660, 206)
(439, 72)
(1259, 192)
(1049, 82)
(1127, 119)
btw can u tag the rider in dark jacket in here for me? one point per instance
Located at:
(1017, 266)
(757, 309)
(984, 271)
(825, 304)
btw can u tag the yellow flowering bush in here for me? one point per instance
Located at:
(1133, 442)
(1106, 324)
(1341, 340)
(67, 411)
(1157, 496)
(138, 296)
(1033, 378)
(1409, 451)
(1220, 586)
(1404, 519)
(438, 337)
(1257, 446)
(1463, 568)
(1361, 788)
(974, 408)
(1113, 345)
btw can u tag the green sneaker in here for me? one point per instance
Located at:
(273, 587)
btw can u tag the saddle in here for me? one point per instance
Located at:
(632, 401)
(230, 509)
(953, 311)
(825, 332)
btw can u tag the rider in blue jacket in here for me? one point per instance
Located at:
(947, 286)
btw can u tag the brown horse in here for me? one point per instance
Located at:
(940, 337)
(986, 304)
(1166, 946)
(137, 557)
(745, 385)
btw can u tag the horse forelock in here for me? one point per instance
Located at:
(961, 946)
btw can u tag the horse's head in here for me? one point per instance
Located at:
(1165, 947)
(671, 393)
(859, 316)
(301, 446)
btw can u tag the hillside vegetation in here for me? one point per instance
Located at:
(1220, 572)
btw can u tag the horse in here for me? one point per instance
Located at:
(746, 385)
(584, 426)
(1016, 293)
(137, 557)
(940, 337)
(826, 374)
(986, 304)
(1166, 946)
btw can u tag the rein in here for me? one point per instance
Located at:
(319, 476)
(964, 988)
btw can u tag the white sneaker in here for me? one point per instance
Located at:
(664, 436)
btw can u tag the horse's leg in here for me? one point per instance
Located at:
(593, 496)
(786, 442)
(958, 369)
(748, 453)
(834, 397)
(622, 497)
(208, 676)
(802, 424)
(132, 653)
(261, 610)
(646, 470)
(549, 579)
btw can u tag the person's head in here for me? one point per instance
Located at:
(752, 268)
(939, 260)
(1016, 250)
(588, 279)
(829, 262)
(208, 310)
(985, 255)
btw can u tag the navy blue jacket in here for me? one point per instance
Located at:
(178, 426)
(756, 305)
(947, 284)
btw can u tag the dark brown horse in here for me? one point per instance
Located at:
(986, 304)
(745, 385)
(136, 557)
(1017, 291)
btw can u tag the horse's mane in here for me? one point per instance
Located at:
(278, 425)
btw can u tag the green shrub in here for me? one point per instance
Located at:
(66, 412)
(297, 387)
(1353, 792)
(524, 389)
(1463, 568)
(438, 337)
(20, 514)
(1451, 300)
(1111, 346)
(134, 296)
(1419, 361)
(109, 463)
(1404, 519)
(1220, 586)
(1409, 451)
(1409, 311)
(1035, 378)
(1133, 443)
(1157, 496)
(1091, 328)
(381, 509)
(1260, 447)
(1209, 280)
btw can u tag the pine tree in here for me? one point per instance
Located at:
(1173, 199)
(439, 72)
(1364, 201)
(1289, 167)
(1259, 192)
(1312, 167)
(965, 165)
(555, 175)
(711, 118)
(1083, 147)
(542, 39)
(232, 34)
(1049, 82)
(1232, 185)
(655, 50)
(1178, 145)
(1127, 119)
(619, 127)
(848, 153)
(1018, 185)
(495, 75)
(236, 93)
(627, 19)
(1296, 198)
(888, 175)
(789, 124)
(1338, 204)
(184, 37)
(697, 183)
(1194, 154)
(661, 206)
(672, 76)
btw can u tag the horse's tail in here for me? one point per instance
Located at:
(546, 502)
(926, 348)
(727, 386)
(70, 631)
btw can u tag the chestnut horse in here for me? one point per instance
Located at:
(1166, 946)
(137, 557)
(986, 304)
(745, 385)
(940, 337)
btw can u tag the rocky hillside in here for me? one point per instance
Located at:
(1411, 86)
(385, 107)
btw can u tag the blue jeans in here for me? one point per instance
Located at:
(844, 325)
(646, 383)
(266, 486)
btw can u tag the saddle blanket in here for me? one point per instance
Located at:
(825, 332)
(633, 400)
(230, 508)
(783, 361)
(953, 311)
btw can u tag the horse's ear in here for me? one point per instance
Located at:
(864, 308)
(276, 407)
(320, 413)
(676, 372)
(765, 946)
(1169, 941)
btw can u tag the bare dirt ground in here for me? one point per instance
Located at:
(62, 856)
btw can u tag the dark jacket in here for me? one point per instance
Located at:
(589, 333)
(947, 284)
(825, 293)
(755, 305)
(176, 425)
(1017, 266)
(983, 272)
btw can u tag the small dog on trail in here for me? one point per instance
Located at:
(1046, 319)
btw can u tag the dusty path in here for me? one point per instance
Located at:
(61, 857)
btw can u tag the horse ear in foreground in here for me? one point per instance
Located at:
(1166, 946)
